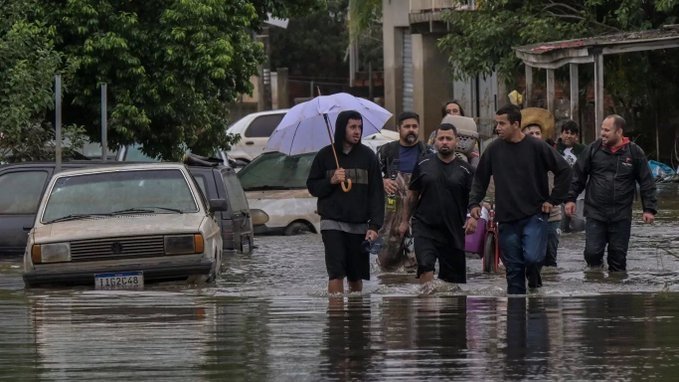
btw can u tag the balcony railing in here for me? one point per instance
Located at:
(419, 6)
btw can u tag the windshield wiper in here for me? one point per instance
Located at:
(74, 217)
(144, 210)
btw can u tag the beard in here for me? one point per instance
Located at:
(411, 138)
(445, 151)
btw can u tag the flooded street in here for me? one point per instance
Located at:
(269, 319)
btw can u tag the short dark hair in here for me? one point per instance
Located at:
(531, 125)
(571, 126)
(448, 126)
(618, 121)
(407, 115)
(456, 102)
(513, 113)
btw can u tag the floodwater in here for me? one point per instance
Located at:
(269, 319)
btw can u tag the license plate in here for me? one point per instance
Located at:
(120, 280)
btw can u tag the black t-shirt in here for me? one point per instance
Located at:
(444, 196)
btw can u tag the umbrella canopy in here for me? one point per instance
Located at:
(304, 130)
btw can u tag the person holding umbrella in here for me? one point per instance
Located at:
(345, 176)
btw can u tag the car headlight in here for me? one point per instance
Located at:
(51, 253)
(184, 244)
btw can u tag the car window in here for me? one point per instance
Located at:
(202, 186)
(263, 126)
(21, 191)
(276, 171)
(102, 193)
(237, 198)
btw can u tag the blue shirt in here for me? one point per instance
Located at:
(407, 158)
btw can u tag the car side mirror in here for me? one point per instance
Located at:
(218, 205)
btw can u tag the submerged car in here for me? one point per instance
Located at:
(119, 227)
(276, 184)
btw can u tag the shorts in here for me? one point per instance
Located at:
(452, 261)
(344, 257)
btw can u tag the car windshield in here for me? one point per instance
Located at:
(276, 171)
(119, 192)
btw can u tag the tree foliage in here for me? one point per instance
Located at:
(171, 66)
(314, 44)
(481, 41)
(28, 62)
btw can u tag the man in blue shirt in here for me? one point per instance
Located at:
(397, 161)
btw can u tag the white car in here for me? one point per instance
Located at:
(276, 184)
(118, 227)
(256, 128)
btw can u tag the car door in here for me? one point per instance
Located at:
(22, 189)
(240, 212)
(258, 132)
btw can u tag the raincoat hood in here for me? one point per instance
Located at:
(341, 127)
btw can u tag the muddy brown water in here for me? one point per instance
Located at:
(269, 319)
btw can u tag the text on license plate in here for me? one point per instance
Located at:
(119, 280)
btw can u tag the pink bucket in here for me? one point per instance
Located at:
(474, 242)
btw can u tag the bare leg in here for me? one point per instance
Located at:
(335, 286)
(426, 277)
(355, 286)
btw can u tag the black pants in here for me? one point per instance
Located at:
(600, 233)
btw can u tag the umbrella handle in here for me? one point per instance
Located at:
(348, 185)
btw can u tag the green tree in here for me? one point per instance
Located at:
(170, 66)
(313, 45)
(28, 62)
(481, 42)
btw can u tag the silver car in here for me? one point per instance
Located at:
(119, 227)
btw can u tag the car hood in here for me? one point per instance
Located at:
(278, 194)
(119, 226)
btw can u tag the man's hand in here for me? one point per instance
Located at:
(470, 225)
(475, 212)
(648, 217)
(389, 186)
(570, 209)
(338, 176)
(547, 207)
(371, 235)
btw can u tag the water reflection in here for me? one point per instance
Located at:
(526, 352)
(267, 319)
(346, 349)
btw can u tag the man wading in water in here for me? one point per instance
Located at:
(352, 217)
(437, 199)
(519, 166)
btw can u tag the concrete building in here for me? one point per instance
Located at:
(416, 73)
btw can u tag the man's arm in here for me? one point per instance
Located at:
(376, 196)
(318, 184)
(647, 188)
(562, 176)
(408, 209)
(480, 181)
(580, 173)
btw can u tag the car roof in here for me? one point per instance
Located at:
(122, 166)
(249, 117)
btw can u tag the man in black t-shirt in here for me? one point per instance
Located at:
(519, 166)
(437, 199)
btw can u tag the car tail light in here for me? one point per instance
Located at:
(198, 243)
